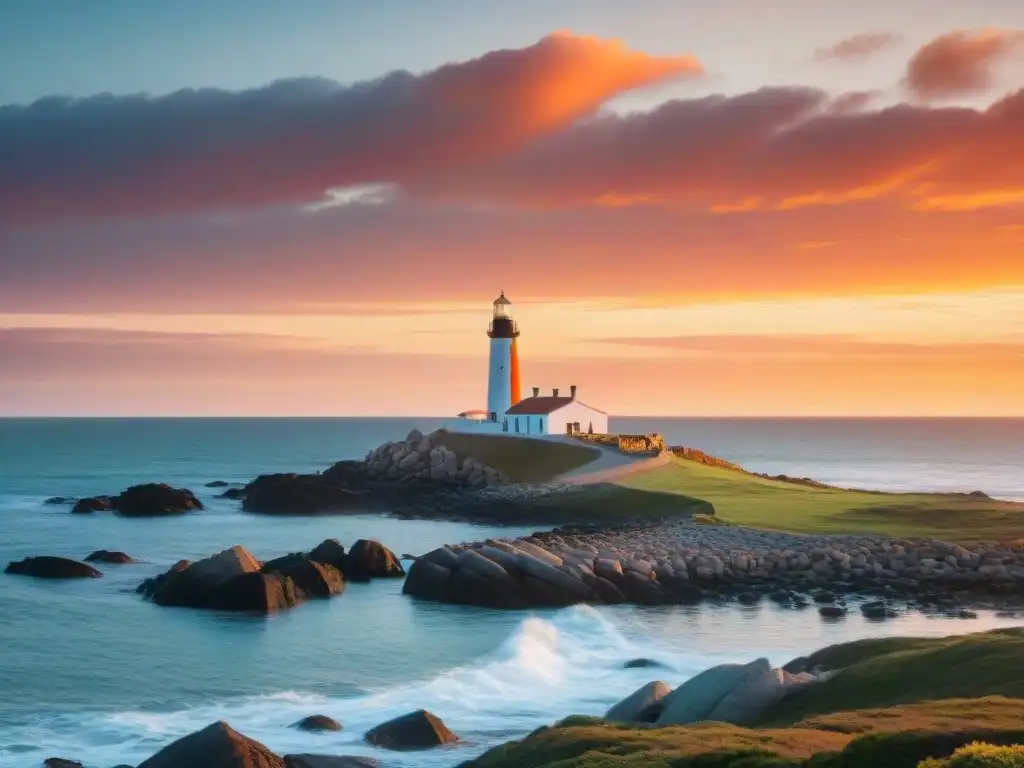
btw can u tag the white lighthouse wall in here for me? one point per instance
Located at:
(577, 411)
(554, 423)
(499, 378)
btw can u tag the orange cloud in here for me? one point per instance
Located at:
(961, 63)
(781, 148)
(292, 141)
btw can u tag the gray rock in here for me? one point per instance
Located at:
(756, 690)
(630, 709)
(694, 700)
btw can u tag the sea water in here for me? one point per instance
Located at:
(92, 672)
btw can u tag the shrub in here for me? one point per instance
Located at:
(978, 754)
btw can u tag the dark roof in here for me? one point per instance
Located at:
(545, 404)
(502, 300)
(536, 406)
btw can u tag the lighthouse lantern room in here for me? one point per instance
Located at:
(503, 389)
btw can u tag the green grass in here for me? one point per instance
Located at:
(896, 702)
(522, 459)
(744, 499)
(881, 673)
(897, 737)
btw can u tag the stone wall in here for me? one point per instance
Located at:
(692, 454)
(632, 444)
(420, 457)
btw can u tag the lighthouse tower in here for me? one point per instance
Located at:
(503, 372)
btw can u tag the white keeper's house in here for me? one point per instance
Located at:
(507, 411)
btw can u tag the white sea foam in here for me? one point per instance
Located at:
(572, 663)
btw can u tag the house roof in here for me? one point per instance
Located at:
(543, 405)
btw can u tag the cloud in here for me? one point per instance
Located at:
(774, 148)
(961, 63)
(292, 141)
(821, 346)
(858, 47)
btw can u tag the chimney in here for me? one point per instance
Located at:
(572, 391)
(555, 391)
(536, 391)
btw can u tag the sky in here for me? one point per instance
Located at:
(731, 208)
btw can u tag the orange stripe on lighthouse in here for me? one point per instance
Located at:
(513, 372)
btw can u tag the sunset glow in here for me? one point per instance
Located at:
(832, 228)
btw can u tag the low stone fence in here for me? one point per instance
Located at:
(631, 444)
(692, 454)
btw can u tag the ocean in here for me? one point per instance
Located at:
(92, 672)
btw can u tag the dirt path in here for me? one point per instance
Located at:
(611, 465)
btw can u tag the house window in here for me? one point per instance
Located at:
(494, 416)
(517, 425)
(541, 424)
(504, 425)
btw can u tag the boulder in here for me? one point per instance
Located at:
(369, 559)
(47, 567)
(694, 700)
(155, 500)
(329, 761)
(473, 586)
(877, 610)
(757, 689)
(60, 762)
(318, 723)
(427, 580)
(51, 501)
(258, 592)
(314, 578)
(642, 664)
(92, 504)
(108, 556)
(640, 706)
(195, 585)
(215, 746)
(329, 551)
(832, 611)
(217, 484)
(292, 494)
(417, 730)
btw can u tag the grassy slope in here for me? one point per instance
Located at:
(898, 737)
(847, 722)
(752, 501)
(522, 459)
(892, 671)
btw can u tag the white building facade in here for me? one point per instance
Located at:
(554, 414)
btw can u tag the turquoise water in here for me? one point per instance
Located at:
(92, 672)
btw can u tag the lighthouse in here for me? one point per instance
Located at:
(503, 389)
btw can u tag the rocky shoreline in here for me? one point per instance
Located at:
(683, 562)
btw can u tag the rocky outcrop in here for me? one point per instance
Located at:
(230, 580)
(60, 762)
(417, 730)
(92, 504)
(424, 459)
(369, 559)
(234, 580)
(155, 500)
(148, 500)
(682, 562)
(643, 706)
(48, 567)
(391, 474)
(292, 494)
(108, 556)
(318, 723)
(216, 746)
